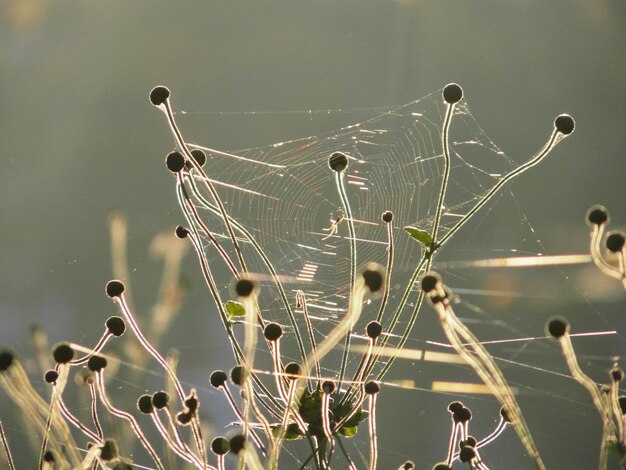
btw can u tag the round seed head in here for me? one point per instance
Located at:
(558, 327)
(6, 360)
(199, 156)
(184, 418)
(615, 241)
(464, 415)
(329, 387)
(51, 376)
(96, 363)
(49, 457)
(455, 407)
(597, 215)
(466, 454)
(617, 374)
(387, 217)
(293, 370)
(181, 232)
(452, 93)
(430, 282)
(374, 329)
(159, 95)
(218, 378)
(109, 450)
(237, 443)
(220, 446)
(442, 466)
(116, 326)
(506, 415)
(144, 404)
(408, 465)
(244, 287)
(192, 403)
(564, 123)
(175, 162)
(371, 388)
(273, 331)
(470, 441)
(238, 375)
(338, 162)
(62, 353)
(374, 277)
(160, 400)
(115, 288)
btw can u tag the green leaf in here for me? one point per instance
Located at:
(420, 235)
(235, 309)
(348, 432)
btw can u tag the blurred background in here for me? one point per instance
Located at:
(79, 139)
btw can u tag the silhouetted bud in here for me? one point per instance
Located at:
(116, 326)
(558, 327)
(564, 124)
(63, 353)
(114, 288)
(159, 95)
(218, 378)
(338, 162)
(452, 93)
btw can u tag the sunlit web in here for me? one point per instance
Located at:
(286, 196)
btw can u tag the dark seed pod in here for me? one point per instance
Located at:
(109, 450)
(116, 326)
(96, 363)
(466, 454)
(218, 378)
(159, 95)
(114, 288)
(175, 162)
(160, 400)
(144, 404)
(220, 445)
(329, 387)
(598, 215)
(506, 415)
(293, 370)
(181, 232)
(338, 162)
(374, 277)
(452, 93)
(616, 373)
(564, 124)
(442, 466)
(374, 329)
(63, 353)
(184, 418)
(387, 217)
(51, 376)
(244, 287)
(237, 443)
(558, 327)
(273, 331)
(464, 415)
(6, 360)
(430, 282)
(371, 388)
(199, 156)
(455, 407)
(408, 465)
(238, 375)
(49, 457)
(615, 241)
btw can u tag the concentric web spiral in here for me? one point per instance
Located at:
(287, 198)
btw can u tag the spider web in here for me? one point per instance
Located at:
(286, 196)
